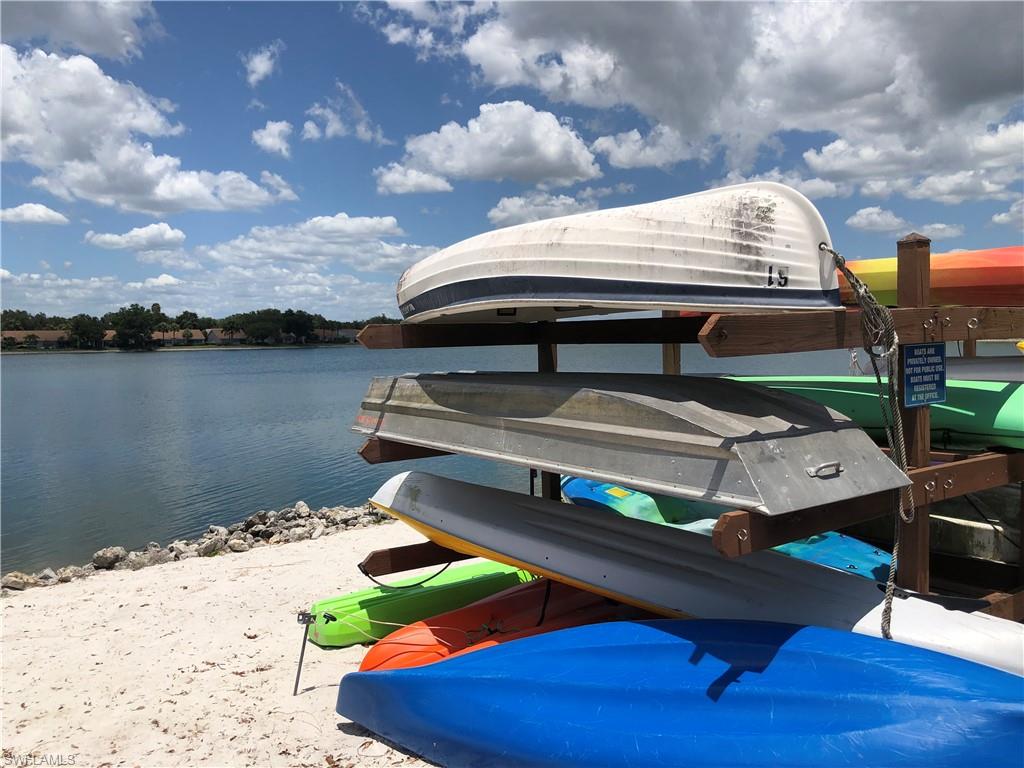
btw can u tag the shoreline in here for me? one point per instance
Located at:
(189, 663)
(183, 348)
(262, 529)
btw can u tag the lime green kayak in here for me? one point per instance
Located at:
(370, 614)
(976, 414)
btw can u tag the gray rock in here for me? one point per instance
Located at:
(19, 580)
(153, 547)
(302, 509)
(108, 557)
(366, 520)
(211, 546)
(136, 560)
(187, 554)
(257, 529)
(218, 530)
(318, 532)
(259, 543)
(235, 527)
(238, 545)
(179, 546)
(47, 577)
(70, 572)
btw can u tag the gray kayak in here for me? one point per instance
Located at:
(676, 572)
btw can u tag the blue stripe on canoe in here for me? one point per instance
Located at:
(586, 290)
(696, 693)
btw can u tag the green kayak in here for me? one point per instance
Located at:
(976, 414)
(370, 614)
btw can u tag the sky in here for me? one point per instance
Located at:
(222, 157)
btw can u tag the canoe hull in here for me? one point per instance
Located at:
(831, 549)
(749, 247)
(675, 572)
(992, 277)
(696, 693)
(370, 614)
(976, 414)
(534, 608)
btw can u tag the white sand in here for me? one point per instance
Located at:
(189, 663)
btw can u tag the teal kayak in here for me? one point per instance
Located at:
(975, 416)
(832, 549)
(370, 614)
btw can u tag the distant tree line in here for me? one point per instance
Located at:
(135, 325)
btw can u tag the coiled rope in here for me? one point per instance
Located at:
(879, 332)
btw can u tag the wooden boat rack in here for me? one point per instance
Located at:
(937, 475)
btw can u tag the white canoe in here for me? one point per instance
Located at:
(677, 573)
(749, 247)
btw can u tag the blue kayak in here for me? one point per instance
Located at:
(833, 549)
(696, 693)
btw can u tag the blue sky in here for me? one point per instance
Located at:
(222, 157)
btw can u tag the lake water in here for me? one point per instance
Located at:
(104, 449)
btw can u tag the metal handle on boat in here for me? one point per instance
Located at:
(828, 469)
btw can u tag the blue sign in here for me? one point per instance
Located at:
(924, 374)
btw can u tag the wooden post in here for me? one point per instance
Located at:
(547, 362)
(913, 289)
(671, 354)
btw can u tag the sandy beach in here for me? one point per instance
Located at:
(188, 663)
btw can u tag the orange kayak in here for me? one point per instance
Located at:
(992, 277)
(528, 609)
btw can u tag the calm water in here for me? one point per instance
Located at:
(128, 448)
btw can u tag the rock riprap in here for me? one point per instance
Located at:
(265, 528)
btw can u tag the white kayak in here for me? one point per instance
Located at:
(677, 573)
(748, 247)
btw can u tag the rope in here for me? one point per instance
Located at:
(879, 330)
(406, 586)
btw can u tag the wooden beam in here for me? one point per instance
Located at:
(377, 450)
(913, 289)
(671, 353)
(547, 362)
(763, 334)
(1006, 606)
(741, 532)
(653, 330)
(381, 562)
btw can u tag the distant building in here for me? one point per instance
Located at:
(178, 338)
(108, 338)
(336, 334)
(220, 336)
(37, 339)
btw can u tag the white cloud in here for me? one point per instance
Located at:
(261, 63)
(395, 179)
(255, 104)
(177, 258)
(282, 189)
(90, 148)
(32, 213)
(311, 131)
(152, 237)
(161, 281)
(1014, 216)
(813, 188)
(361, 242)
(903, 116)
(941, 231)
(511, 140)
(537, 205)
(115, 30)
(273, 137)
(340, 115)
(44, 265)
(661, 147)
(875, 219)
